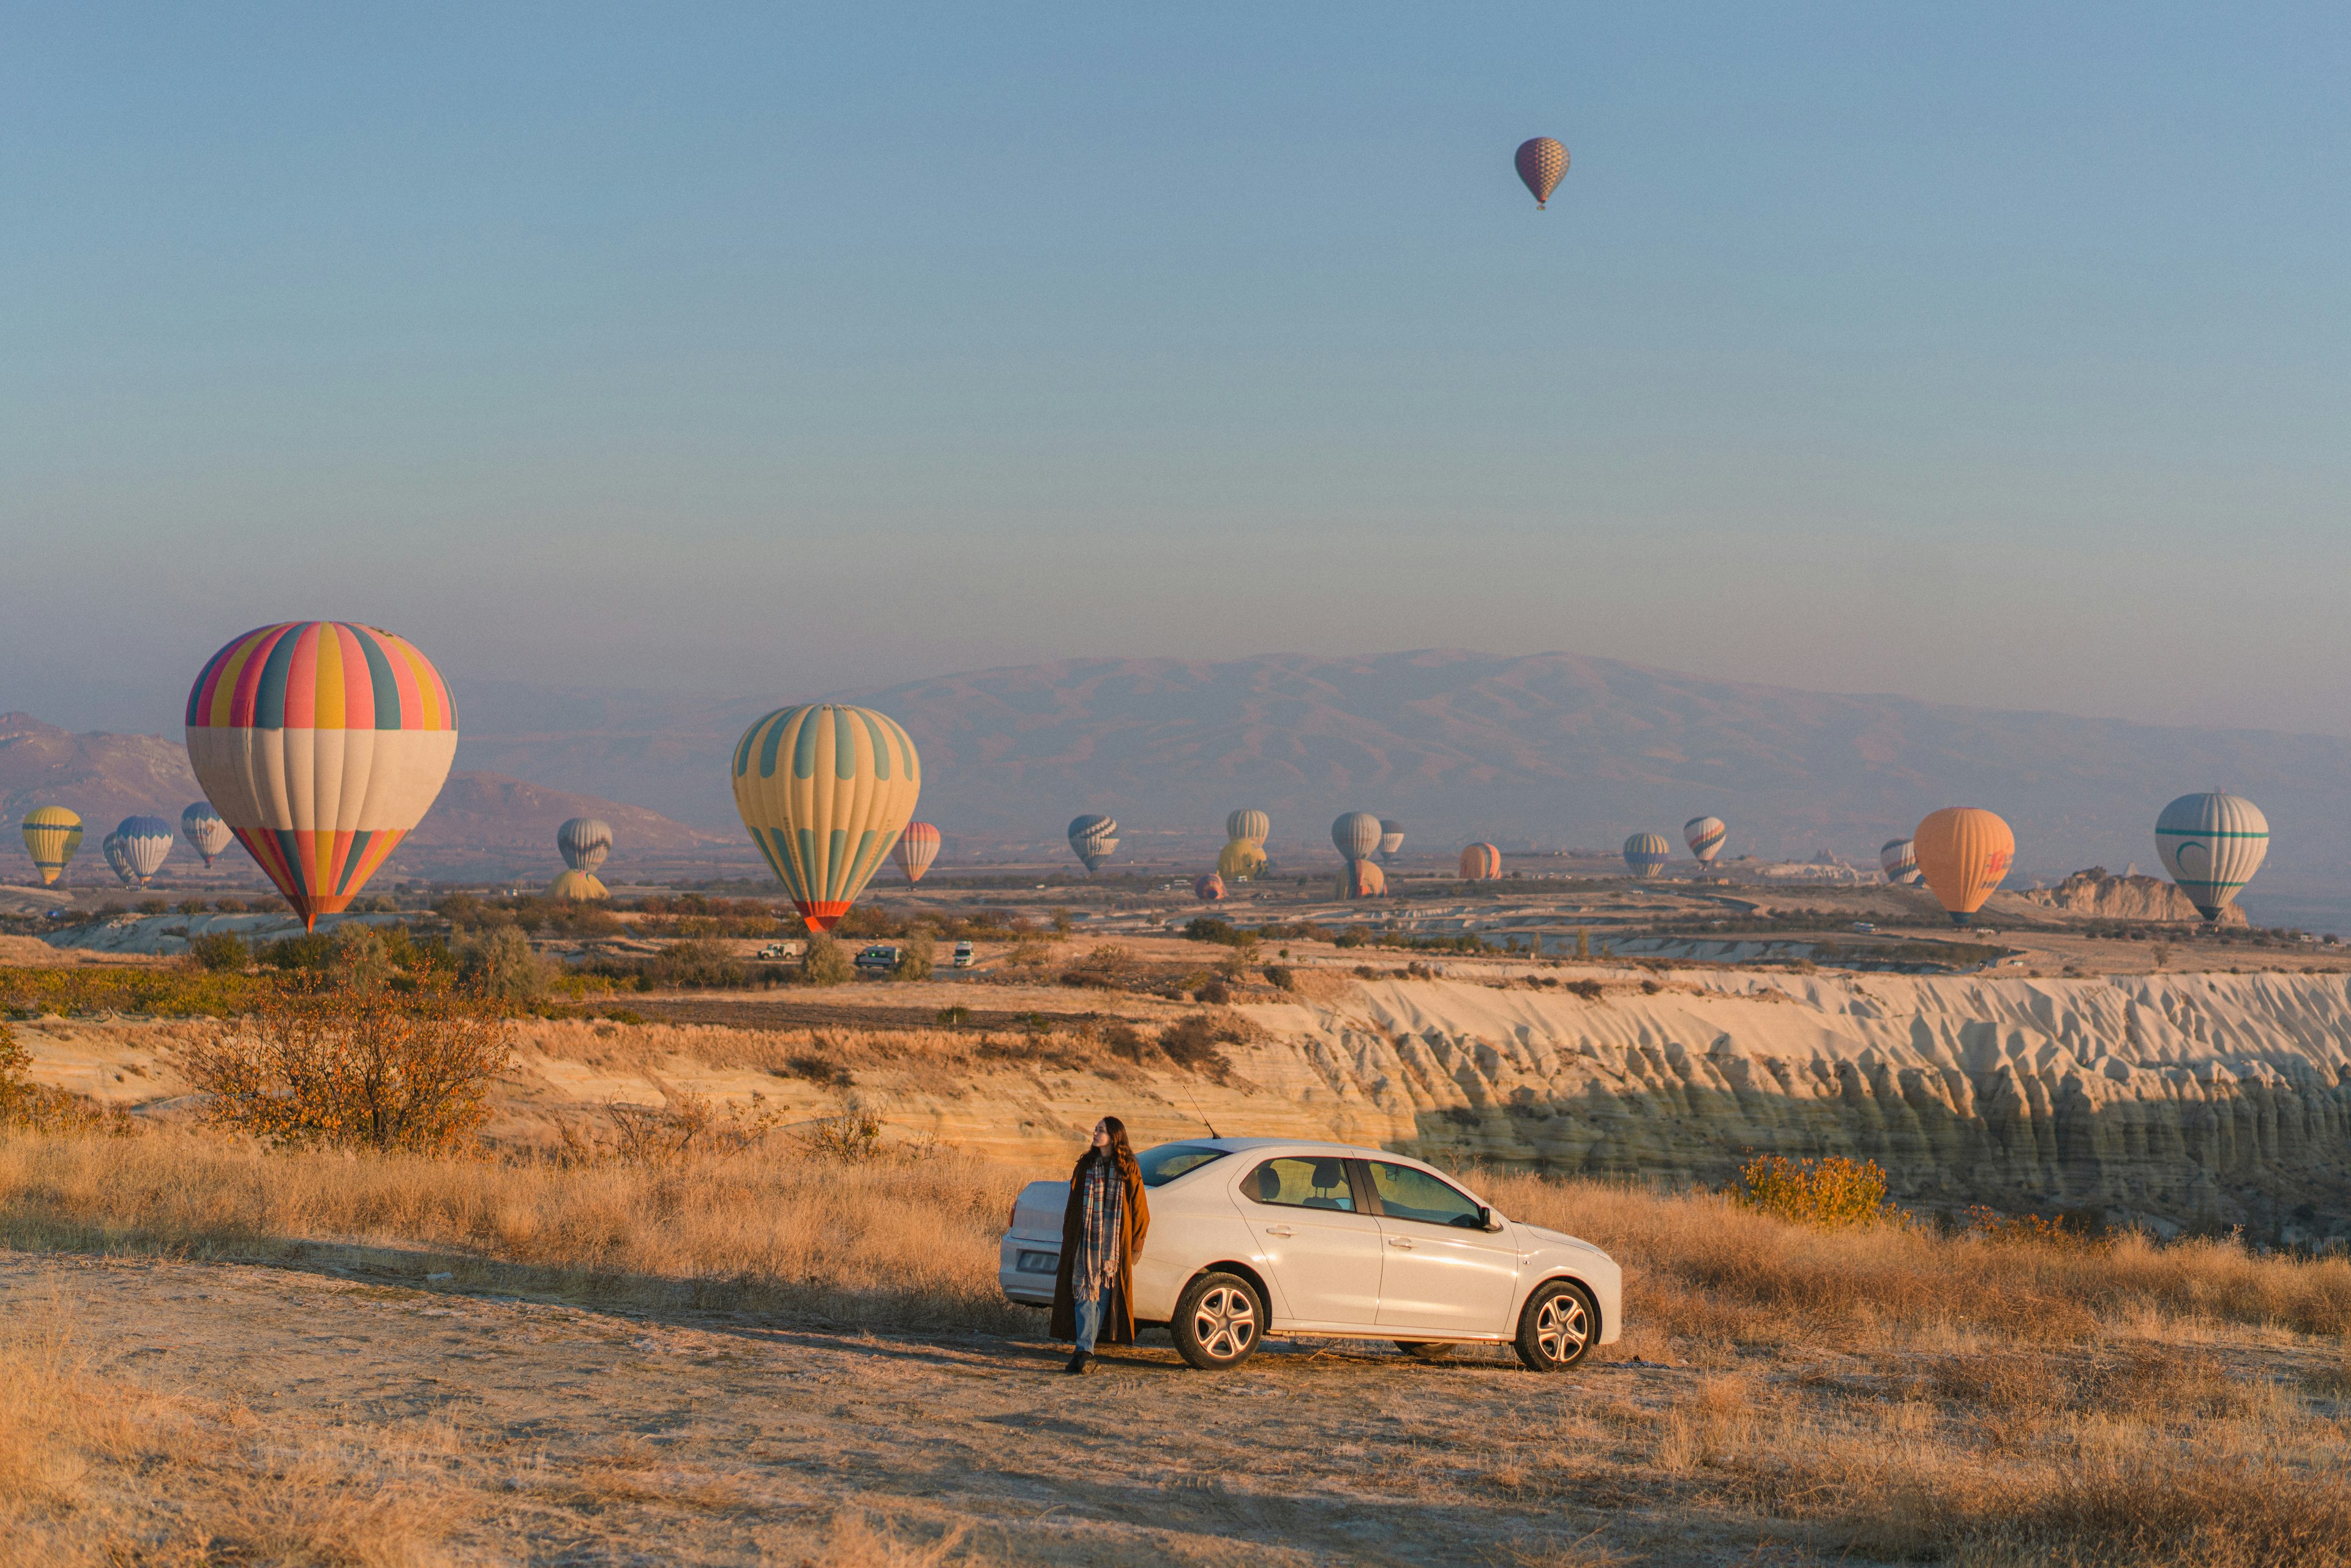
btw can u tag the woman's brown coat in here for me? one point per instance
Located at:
(1118, 1314)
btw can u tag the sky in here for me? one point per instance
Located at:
(1995, 354)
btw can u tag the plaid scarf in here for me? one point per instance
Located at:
(1100, 1232)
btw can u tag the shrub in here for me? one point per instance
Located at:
(163, 993)
(870, 921)
(1353, 936)
(916, 956)
(694, 962)
(1590, 990)
(316, 1066)
(499, 963)
(1833, 1193)
(229, 905)
(1208, 929)
(313, 951)
(1280, 977)
(361, 959)
(852, 1136)
(826, 962)
(1191, 1043)
(2082, 1230)
(191, 906)
(954, 1016)
(217, 951)
(1031, 952)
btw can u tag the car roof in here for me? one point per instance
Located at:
(1245, 1146)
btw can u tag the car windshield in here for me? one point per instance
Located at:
(1168, 1161)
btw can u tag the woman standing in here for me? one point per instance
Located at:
(1101, 1234)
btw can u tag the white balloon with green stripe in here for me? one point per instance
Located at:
(826, 789)
(2212, 845)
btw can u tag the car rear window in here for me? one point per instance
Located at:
(1168, 1161)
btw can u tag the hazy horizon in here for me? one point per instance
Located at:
(1994, 358)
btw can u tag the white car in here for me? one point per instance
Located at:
(1251, 1236)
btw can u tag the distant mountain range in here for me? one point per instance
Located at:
(1550, 750)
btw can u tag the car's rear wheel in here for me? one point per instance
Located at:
(1217, 1322)
(1557, 1327)
(1424, 1350)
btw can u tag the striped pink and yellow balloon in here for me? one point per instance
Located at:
(321, 744)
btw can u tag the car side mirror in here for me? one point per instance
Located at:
(1488, 1219)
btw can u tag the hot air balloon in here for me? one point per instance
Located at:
(1645, 854)
(1242, 861)
(1209, 888)
(1362, 878)
(583, 841)
(1480, 863)
(145, 843)
(1541, 161)
(1705, 835)
(1093, 837)
(52, 833)
(118, 859)
(825, 791)
(2212, 845)
(1899, 861)
(1357, 834)
(322, 743)
(1962, 854)
(205, 832)
(1247, 826)
(918, 846)
(1391, 838)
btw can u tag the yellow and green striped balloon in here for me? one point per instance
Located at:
(825, 791)
(52, 833)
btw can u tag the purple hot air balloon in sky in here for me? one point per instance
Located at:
(1541, 161)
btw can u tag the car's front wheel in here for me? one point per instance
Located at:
(1557, 1327)
(1218, 1321)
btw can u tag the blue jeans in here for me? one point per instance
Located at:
(1089, 1322)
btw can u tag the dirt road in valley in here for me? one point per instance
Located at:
(556, 1433)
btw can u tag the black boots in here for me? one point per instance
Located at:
(1079, 1363)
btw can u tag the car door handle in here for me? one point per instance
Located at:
(1400, 1242)
(1277, 1231)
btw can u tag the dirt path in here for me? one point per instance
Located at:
(552, 1433)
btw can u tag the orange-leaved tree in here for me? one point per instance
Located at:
(318, 1064)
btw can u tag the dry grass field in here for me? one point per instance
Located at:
(769, 1354)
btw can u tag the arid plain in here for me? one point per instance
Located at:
(784, 1342)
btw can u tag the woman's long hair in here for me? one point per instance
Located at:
(1121, 1153)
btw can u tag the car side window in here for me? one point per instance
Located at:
(1410, 1194)
(1302, 1184)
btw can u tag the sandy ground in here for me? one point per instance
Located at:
(555, 1433)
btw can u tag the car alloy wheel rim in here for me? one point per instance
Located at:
(1560, 1327)
(1225, 1322)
